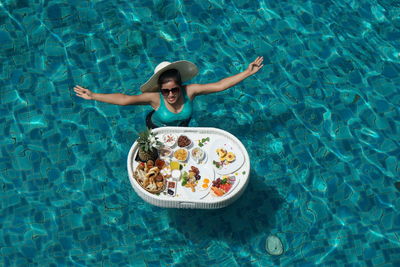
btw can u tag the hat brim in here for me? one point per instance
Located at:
(187, 70)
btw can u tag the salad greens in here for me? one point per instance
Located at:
(184, 178)
(203, 141)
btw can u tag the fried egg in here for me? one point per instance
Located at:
(204, 184)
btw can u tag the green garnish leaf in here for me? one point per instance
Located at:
(217, 164)
(203, 140)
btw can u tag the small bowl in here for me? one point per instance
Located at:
(169, 139)
(184, 138)
(198, 154)
(165, 152)
(181, 154)
(176, 175)
(171, 188)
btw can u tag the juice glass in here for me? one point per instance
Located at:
(174, 165)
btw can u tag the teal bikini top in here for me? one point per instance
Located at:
(163, 117)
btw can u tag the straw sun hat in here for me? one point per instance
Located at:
(187, 70)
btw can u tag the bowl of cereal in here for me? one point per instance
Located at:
(181, 154)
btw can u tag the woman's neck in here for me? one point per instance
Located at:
(177, 106)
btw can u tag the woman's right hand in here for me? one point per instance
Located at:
(83, 92)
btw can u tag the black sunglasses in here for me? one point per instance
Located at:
(174, 90)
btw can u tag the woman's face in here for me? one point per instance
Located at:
(171, 91)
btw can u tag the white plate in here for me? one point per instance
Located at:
(205, 172)
(233, 166)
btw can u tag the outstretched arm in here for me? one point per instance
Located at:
(116, 99)
(202, 89)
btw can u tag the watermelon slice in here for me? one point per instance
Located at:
(226, 187)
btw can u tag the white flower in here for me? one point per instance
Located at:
(153, 141)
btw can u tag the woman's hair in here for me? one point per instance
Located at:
(170, 75)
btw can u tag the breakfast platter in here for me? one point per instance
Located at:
(204, 168)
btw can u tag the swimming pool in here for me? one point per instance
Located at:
(320, 121)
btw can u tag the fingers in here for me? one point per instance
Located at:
(257, 63)
(80, 95)
(80, 91)
(78, 88)
(259, 60)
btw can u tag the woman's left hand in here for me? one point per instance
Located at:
(256, 65)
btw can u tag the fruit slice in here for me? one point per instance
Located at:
(226, 187)
(217, 191)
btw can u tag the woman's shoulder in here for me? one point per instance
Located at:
(150, 98)
(190, 90)
(154, 98)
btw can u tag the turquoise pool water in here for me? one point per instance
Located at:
(321, 123)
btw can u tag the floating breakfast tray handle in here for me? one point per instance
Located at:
(187, 205)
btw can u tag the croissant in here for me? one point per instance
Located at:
(153, 172)
(141, 177)
(151, 186)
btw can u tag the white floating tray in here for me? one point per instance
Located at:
(182, 199)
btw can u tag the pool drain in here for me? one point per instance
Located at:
(274, 245)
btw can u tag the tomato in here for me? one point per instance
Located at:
(226, 187)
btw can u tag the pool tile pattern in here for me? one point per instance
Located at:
(321, 123)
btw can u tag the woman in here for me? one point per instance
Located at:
(171, 100)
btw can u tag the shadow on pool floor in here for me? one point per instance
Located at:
(252, 215)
